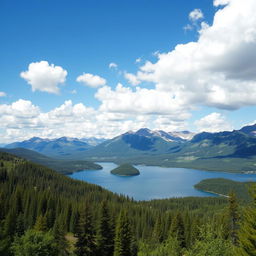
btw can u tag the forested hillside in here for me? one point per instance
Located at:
(46, 213)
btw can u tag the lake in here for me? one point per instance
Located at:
(155, 182)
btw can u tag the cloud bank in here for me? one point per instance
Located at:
(219, 69)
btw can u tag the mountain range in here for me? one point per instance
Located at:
(66, 147)
(229, 150)
(60, 147)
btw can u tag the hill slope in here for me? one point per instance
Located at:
(63, 166)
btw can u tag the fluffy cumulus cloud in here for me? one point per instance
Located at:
(2, 94)
(131, 78)
(218, 70)
(22, 119)
(91, 80)
(140, 101)
(44, 77)
(195, 15)
(213, 122)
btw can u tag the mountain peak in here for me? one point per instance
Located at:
(249, 130)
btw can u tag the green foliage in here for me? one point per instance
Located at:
(123, 238)
(59, 238)
(41, 224)
(36, 243)
(247, 232)
(211, 244)
(168, 248)
(224, 186)
(125, 170)
(178, 230)
(86, 243)
(233, 218)
(105, 235)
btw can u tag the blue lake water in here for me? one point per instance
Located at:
(155, 182)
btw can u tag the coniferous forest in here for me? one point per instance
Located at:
(46, 213)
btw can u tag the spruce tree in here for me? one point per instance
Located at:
(123, 237)
(157, 235)
(85, 244)
(247, 232)
(233, 218)
(41, 224)
(105, 235)
(178, 229)
(60, 240)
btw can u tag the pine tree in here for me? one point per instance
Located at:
(105, 236)
(247, 233)
(234, 218)
(123, 237)
(60, 240)
(20, 227)
(157, 235)
(178, 229)
(41, 224)
(85, 245)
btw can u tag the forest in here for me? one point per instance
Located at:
(43, 213)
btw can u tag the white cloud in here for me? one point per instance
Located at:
(138, 60)
(219, 69)
(220, 2)
(140, 101)
(44, 77)
(91, 80)
(2, 94)
(188, 27)
(22, 119)
(195, 15)
(131, 78)
(112, 65)
(214, 122)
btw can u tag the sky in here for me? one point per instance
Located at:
(95, 68)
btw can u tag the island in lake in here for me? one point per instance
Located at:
(125, 170)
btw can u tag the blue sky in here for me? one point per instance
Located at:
(84, 37)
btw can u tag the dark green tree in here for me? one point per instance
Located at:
(85, 234)
(157, 235)
(123, 236)
(178, 229)
(60, 239)
(233, 218)
(247, 232)
(105, 235)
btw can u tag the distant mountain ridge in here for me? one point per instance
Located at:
(168, 136)
(63, 146)
(233, 151)
(66, 147)
(249, 130)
